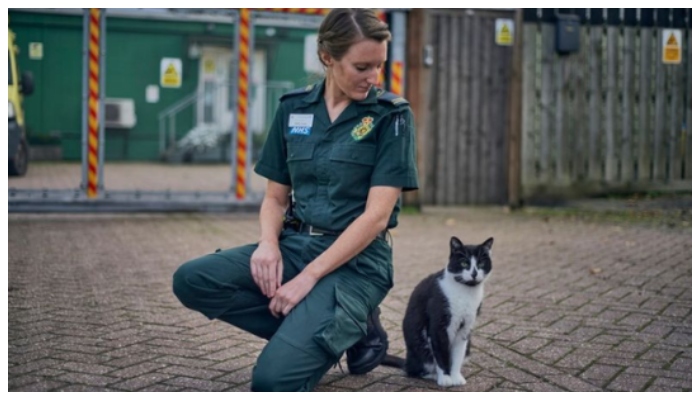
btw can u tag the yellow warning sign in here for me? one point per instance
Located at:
(170, 72)
(672, 49)
(504, 32)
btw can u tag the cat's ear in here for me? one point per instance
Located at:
(456, 244)
(488, 243)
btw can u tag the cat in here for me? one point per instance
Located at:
(441, 314)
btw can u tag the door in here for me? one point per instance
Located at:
(214, 103)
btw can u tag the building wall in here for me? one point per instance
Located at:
(134, 49)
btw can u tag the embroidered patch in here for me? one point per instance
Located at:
(363, 128)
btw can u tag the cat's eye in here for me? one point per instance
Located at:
(464, 264)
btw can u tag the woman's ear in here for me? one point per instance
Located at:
(326, 59)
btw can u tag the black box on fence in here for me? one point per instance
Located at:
(567, 33)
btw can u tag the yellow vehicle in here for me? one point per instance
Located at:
(18, 87)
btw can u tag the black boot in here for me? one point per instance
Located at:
(366, 354)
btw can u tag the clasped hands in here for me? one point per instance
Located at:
(267, 269)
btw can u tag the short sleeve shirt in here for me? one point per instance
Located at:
(332, 166)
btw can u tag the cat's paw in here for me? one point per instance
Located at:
(448, 380)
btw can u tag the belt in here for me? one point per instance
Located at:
(315, 231)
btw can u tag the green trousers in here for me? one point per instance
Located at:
(305, 344)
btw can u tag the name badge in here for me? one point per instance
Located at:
(300, 124)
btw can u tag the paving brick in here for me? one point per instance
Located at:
(383, 387)
(529, 345)
(85, 388)
(234, 364)
(540, 387)
(40, 386)
(197, 384)
(685, 384)
(87, 379)
(141, 382)
(629, 383)
(682, 364)
(136, 370)
(130, 360)
(600, 372)
(516, 375)
(191, 372)
(679, 339)
(86, 368)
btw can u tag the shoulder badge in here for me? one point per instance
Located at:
(297, 92)
(391, 98)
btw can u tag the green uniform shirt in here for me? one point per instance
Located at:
(332, 166)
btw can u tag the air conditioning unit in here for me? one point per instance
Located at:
(119, 113)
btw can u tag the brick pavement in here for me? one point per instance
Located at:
(570, 305)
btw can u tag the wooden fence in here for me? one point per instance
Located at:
(612, 115)
(463, 153)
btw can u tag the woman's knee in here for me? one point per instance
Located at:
(186, 279)
(266, 378)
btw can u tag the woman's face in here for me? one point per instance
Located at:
(358, 70)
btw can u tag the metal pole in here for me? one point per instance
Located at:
(84, 143)
(101, 106)
(234, 95)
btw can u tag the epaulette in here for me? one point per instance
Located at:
(392, 98)
(297, 91)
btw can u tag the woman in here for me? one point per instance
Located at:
(313, 283)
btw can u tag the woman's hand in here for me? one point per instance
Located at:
(293, 292)
(266, 267)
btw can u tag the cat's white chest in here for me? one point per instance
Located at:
(463, 304)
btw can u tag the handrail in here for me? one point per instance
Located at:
(169, 114)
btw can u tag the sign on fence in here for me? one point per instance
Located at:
(504, 31)
(672, 45)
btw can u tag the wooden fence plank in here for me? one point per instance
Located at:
(500, 118)
(558, 68)
(486, 91)
(475, 90)
(689, 114)
(674, 157)
(610, 104)
(660, 120)
(464, 84)
(576, 120)
(547, 103)
(595, 102)
(443, 109)
(529, 116)
(452, 100)
(645, 77)
(628, 53)
(432, 133)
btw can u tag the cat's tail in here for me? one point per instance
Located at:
(393, 361)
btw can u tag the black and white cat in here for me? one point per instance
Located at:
(441, 314)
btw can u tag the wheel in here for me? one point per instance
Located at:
(20, 162)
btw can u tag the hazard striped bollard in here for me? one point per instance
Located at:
(93, 101)
(242, 111)
(397, 70)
